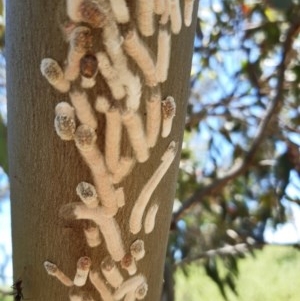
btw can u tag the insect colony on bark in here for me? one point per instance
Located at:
(122, 42)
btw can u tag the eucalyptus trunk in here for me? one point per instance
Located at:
(45, 170)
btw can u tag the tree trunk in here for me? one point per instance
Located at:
(45, 171)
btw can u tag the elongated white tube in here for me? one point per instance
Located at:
(175, 16)
(85, 140)
(150, 219)
(145, 17)
(82, 272)
(134, 126)
(139, 52)
(153, 120)
(163, 54)
(51, 70)
(135, 220)
(53, 270)
(64, 121)
(188, 12)
(83, 109)
(111, 272)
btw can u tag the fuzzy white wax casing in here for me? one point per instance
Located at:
(87, 194)
(188, 12)
(136, 216)
(100, 286)
(120, 10)
(111, 76)
(140, 53)
(150, 219)
(83, 109)
(111, 272)
(73, 10)
(85, 140)
(64, 121)
(168, 114)
(113, 132)
(136, 133)
(175, 16)
(54, 75)
(80, 42)
(82, 272)
(145, 17)
(153, 119)
(163, 53)
(53, 270)
(137, 249)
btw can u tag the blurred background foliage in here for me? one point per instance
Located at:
(239, 172)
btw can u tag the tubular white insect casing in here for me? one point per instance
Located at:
(80, 43)
(129, 285)
(136, 133)
(159, 6)
(153, 121)
(84, 110)
(101, 286)
(150, 219)
(145, 17)
(85, 140)
(175, 15)
(111, 272)
(140, 53)
(168, 114)
(113, 133)
(120, 10)
(188, 12)
(111, 76)
(53, 270)
(112, 235)
(54, 74)
(64, 121)
(82, 272)
(163, 54)
(135, 220)
(133, 88)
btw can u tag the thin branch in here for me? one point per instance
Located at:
(234, 250)
(271, 113)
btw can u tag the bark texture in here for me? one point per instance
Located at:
(44, 170)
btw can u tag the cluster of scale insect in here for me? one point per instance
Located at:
(123, 44)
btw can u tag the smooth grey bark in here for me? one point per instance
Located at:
(44, 170)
